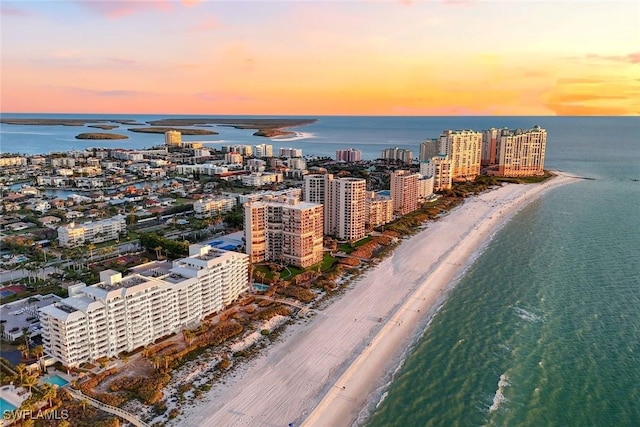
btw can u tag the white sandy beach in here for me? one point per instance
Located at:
(324, 372)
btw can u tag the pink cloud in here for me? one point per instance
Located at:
(105, 93)
(13, 11)
(632, 58)
(119, 9)
(207, 24)
(123, 61)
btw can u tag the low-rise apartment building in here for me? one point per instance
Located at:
(207, 208)
(73, 234)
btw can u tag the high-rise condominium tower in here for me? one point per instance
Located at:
(173, 138)
(428, 149)
(344, 204)
(522, 152)
(284, 230)
(350, 155)
(404, 191)
(438, 167)
(463, 147)
(395, 153)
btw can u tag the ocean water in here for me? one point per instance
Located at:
(544, 328)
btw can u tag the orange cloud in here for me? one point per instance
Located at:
(594, 97)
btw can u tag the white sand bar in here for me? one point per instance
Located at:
(325, 371)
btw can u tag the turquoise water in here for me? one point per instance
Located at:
(6, 406)
(544, 329)
(57, 380)
(260, 287)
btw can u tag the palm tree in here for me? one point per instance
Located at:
(21, 368)
(188, 336)
(38, 351)
(84, 402)
(23, 349)
(26, 335)
(158, 250)
(48, 392)
(30, 381)
(91, 247)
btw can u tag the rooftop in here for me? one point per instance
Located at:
(24, 313)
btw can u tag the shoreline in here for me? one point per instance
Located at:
(330, 370)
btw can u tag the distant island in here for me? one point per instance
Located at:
(104, 127)
(99, 135)
(270, 128)
(66, 122)
(184, 131)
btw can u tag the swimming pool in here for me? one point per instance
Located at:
(260, 287)
(57, 380)
(6, 406)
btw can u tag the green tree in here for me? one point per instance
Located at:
(48, 392)
(30, 381)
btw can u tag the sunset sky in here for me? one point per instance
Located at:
(455, 57)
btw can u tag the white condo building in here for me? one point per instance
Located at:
(395, 153)
(124, 313)
(344, 204)
(291, 152)
(263, 150)
(74, 234)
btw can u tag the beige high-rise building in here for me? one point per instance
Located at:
(464, 148)
(173, 138)
(344, 204)
(284, 230)
(522, 152)
(438, 167)
(404, 191)
(378, 209)
(348, 208)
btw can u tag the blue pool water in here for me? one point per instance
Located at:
(260, 287)
(57, 380)
(6, 406)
